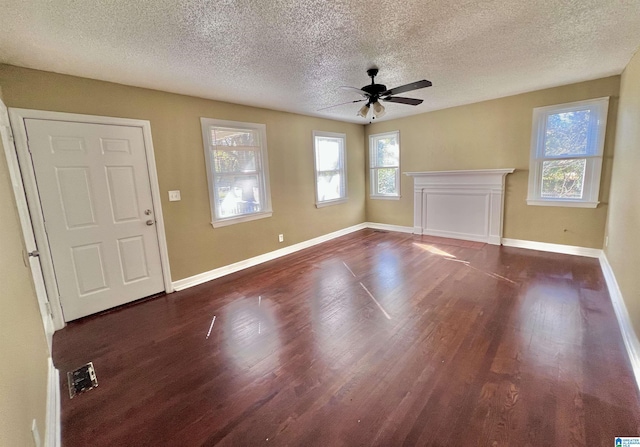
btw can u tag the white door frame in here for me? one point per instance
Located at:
(22, 169)
(25, 222)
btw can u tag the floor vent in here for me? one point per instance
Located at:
(82, 379)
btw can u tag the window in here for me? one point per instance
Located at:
(237, 171)
(566, 153)
(384, 160)
(331, 174)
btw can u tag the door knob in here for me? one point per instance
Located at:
(150, 222)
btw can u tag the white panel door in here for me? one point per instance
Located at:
(95, 195)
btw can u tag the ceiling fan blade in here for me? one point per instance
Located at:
(341, 104)
(401, 100)
(355, 90)
(407, 88)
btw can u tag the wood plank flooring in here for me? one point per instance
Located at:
(372, 339)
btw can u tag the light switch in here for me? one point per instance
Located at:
(174, 196)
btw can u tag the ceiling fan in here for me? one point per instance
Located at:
(374, 93)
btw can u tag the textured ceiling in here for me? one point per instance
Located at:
(293, 54)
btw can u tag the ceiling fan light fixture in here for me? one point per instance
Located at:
(373, 93)
(378, 110)
(364, 111)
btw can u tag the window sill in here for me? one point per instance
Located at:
(330, 202)
(566, 203)
(385, 197)
(240, 219)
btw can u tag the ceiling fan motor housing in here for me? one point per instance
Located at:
(374, 90)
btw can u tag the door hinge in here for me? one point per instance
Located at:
(34, 253)
(48, 305)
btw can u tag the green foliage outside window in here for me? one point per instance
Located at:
(566, 135)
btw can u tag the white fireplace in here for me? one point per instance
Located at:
(465, 205)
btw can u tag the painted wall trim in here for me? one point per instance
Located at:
(219, 272)
(51, 320)
(466, 205)
(624, 322)
(200, 278)
(52, 429)
(553, 248)
(388, 227)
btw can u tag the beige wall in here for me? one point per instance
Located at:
(194, 245)
(23, 348)
(623, 228)
(497, 134)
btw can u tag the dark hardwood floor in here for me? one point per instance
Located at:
(374, 338)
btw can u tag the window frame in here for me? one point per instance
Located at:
(372, 175)
(262, 173)
(342, 169)
(593, 166)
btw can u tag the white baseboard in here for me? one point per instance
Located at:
(388, 227)
(203, 277)
(461, 236)
(553, 248)
(52, 429)
(200, 278)
(624, 322)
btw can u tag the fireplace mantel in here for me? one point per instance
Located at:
(465, 205)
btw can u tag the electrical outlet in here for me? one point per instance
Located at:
(281, 238)
(174, 196)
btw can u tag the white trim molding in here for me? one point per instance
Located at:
(52, 429)
(626, 328)
(51, 320)
(201, 278)
(558, 202)
(592, 156)
(342, 166)
(466, 205)
(553, 248)
(374, 167)
(31, 217)
(260, 170)
(388, 227)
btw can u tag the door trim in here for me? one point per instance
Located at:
(6, 133)
(26, 170)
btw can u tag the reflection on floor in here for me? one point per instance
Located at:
(371, 339)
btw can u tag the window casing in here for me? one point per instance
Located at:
(384, 163)
(567, 144)
(329, 156)
(237, 171)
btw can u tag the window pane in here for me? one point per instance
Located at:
(329, 186)
(563, 179)
(237, 194)
(387, 151)
(327, 154)
(386, 181)
(567, 134)
(235, 161)
(221, 136)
